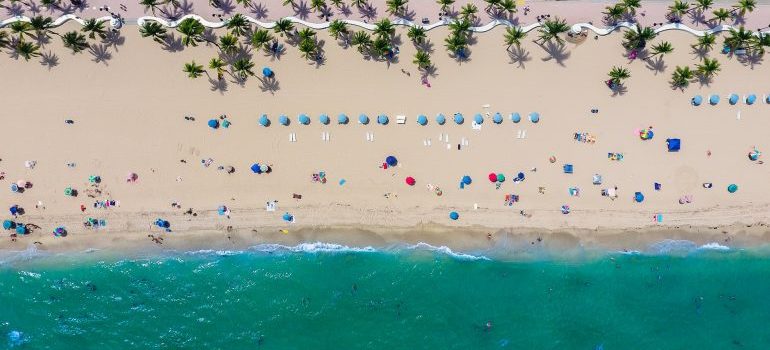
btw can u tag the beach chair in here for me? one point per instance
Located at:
(597, 179)
(400, 119)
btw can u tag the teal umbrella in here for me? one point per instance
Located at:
(732, 188)
(422, 120)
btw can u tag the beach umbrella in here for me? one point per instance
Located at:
(459, 118)
(284, 120)
(132, 177)
(226, 123)
(410, 181)
(638, 197)
(382, 119)
(363, 119)
(304, 119)
(8, 224)
(324, 119)
(14, 188)
(288, 217)
(14, 209)
(60, 231)
(500, 177)
(422, 120)
(440, 119)
(391, 161)
(20, 229)
(68, 191)
(263, 168)
(732, 188)
(213, 123)
(267, 72)
(94, 179)
(229, 169)
(534, 117)
(497, 118)
(255, 168)
(159, 222)
(751, 99)
(565, 209)
(264, 121)
(478, 119)
(454, 216)
(754, 154)
(22, 183)
(733, 99)
(520, 176)
(767, 99)
(515, 117)
(221, 210)
(714, 100)
(342, 119)
(492, 177)
(467, 180)
(697, 100)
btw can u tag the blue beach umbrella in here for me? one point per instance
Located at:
(733, 99)
(638, 197)
(288, 217)
(267, 72)
(324, 119)
(467, 180)
(213, 123)
(162, 223)
(14, 188)
(342, 118)
(478, 119)
(264, 121)
(8, 224)
(284, 120)
(751, 99)
(422, 120)
(515, 117)
(454, 216)
(382, 119)
(714, 99)
(697, 100)
(391, 161)
(255, 168)
(363, 119)
(459, 118)
(440, 119)
(497, 118)
(767, 99)
(732, 188)
(534, 117)
(20, 229)
(221, 210)
(304, 119)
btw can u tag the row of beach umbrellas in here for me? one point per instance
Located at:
(383, 119)
(733, 99)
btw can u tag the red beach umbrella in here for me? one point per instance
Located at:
(410, 181)
(492, 177)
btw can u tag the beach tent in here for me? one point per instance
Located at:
(382, 119)
(500, 177)
(213, 123)
(267, 72)
(492, 177)
(534, 117)
(255, 168)
(304, 119)
(363, 119)
(733, 99)
(440, 119)
(459, 118)
(342, 118)
(284, 120)
(697, 100)
(674, 145)
(568, 168)
(288, 217)
(95, 179)
(714, 99)
(497, 118)
(751, 99)
(264, 121)
(324, 119)
(391, 161)
(410, 181)
(638, 197)
(454, 216)
(515, 117)
(8, 224)
(597, 179)
(646, 134)
(478, 119)
(519, 177)
(732, 188)
(422, 120)
(466, 180)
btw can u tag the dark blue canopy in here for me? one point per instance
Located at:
(391, 161)
(454, 216)
(213, 123)
(673, 145)
(267, 72)
(638, 197)
(467, 180)
(255, 168)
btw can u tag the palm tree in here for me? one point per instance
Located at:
(661, 49)
(614, 13)
(708, 69)
(307, 47)
(455, 43)
(362, 39)
(74, 41)
(705, 42)
(762, 41)
(244, 3)
(551, 30)
(507, 6)
(27, 49)
(384, 28)
(618, 74)
(260, 38)
(290, 2)
(396, 6)
(243, 67)
(305, 33)
(151, 5)
(678, 8)
(318, 5)
(490, 5)
(94, 27)
(421, 59)
(228, 43)
(5, 42)
(338, 28)
(702, 5)
(630, 6)
(22, 29)
(744, 6)
(238, 25)
(681, 77)
(638, 37)
(154, 30)
(445, 4)
(469, 11)
(460, 27)
(282, 26)
(380, 46)
(192, 31)
(41, 25)
(739, 39)
(417, 34)
(218, 65)
(337, 3)
(359, 3)
(720, 15)
(193, 70)
(513, 36)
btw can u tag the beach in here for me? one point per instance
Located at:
(129, 104)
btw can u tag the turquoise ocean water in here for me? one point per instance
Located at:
(320, 296)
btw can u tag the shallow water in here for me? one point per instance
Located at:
(330, 297)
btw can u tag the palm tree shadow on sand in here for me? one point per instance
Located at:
(101, 53)
(171, 43)
(269, 84)
(368, 12)
(619, 90)
(556, 52)
(114, 39)
(302, 10)
(219, 85)
(259, 11)
(49, 59)
(751, 59)
(657, 65)
(699, 53)
(519, 56)
(226, 6)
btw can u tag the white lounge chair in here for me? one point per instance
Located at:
(400, 119)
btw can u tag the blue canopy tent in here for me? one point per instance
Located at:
(478, 119)
(467, 180)
(422, 120)
(733, 99)
(440, 119)
(267, 72)
(697, 100)
(534, 117)
(459, 118)
(304, 119)
(324, 119)
(638, 197)
(363, 119)
(342, 118)
(515, 117)
(264, 121)
(497, 118)
(454, 215)
(674, 145)
(382, 119)
(569, 168)
(284, 120)
(288, 217)
(751, 99)
(213, 123)
(21, 229)
(256, 168)
(391, 161)
(714, 99)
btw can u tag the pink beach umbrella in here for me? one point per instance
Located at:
(410, 181)
(131, 177)
(492, 177)
(22, 183)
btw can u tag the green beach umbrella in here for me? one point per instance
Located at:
(68, 191)
(500, 177)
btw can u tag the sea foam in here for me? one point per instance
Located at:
(445, 250)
